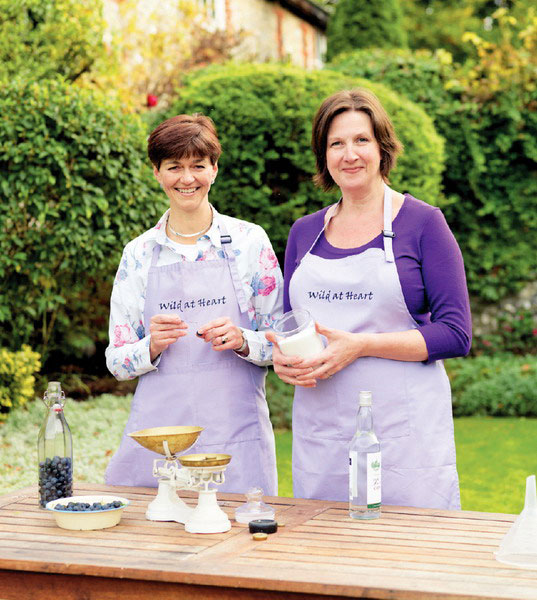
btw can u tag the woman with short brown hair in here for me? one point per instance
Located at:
(384, 279)
(354, 100)
(190, 300)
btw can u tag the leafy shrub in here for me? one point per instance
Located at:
(263, 114)
(515, 332)
(17, 370)
(501, 385)
(280, 401)
(491, 155)
(499, 84)
(49, 38)
(75, 186)
(365, 25)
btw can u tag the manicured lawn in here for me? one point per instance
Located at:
(494, 455)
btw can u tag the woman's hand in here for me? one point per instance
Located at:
(289, 368)
(342, 349)
(222, 334)
(165, 330)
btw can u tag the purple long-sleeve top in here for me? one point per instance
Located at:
(430, 267)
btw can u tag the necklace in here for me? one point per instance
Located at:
(189, 235)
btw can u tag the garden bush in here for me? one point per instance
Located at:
(512, 331)
(49, 38)
(365, 24)
(263, 115)
(17, 371)
(502, 385)
(75, 186)
(490, 179)
(280, 401)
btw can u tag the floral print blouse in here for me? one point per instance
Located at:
(127, 355)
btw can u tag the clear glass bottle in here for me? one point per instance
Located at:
(364, 465)
(55, 449)
(255, 508)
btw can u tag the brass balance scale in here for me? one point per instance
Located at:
(197, 472)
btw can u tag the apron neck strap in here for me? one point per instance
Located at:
(387, 232)
(332, 210)
(227, 249)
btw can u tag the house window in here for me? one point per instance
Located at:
(216, 11)
(208, 6)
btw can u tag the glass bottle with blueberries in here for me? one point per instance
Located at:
(55, 449)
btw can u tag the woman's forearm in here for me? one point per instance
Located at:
(400, 345)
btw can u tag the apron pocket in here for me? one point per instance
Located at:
(317, 411)
(226, 405)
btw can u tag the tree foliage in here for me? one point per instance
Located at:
(485, 110)
(75, 186)
(149, 50)
(364, 24)
(49, 38)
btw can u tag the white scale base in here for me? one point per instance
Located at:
(207, 517)
(167, 506)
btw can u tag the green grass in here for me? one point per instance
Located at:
(284, 441)
(494, 455)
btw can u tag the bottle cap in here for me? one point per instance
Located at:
(263, 526)
(259, 537)
(365, 398)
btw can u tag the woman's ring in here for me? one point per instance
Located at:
(224, 339)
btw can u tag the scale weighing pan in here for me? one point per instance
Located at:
(204, 460)
(178, 438)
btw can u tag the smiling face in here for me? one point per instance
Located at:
(352, 152)
(186, 181)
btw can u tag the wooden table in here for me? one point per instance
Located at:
(407, 553)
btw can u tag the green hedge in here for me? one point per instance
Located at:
(365, 24)
(75, 185)
(502, 385)
(263, 115)
(490, 180)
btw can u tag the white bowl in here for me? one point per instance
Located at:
(97, 519)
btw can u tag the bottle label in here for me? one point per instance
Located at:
(373, 480)
(353, 473)
(373, 469)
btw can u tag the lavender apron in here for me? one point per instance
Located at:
(194, 385)
(411, 400)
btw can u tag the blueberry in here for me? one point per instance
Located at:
(55, 478)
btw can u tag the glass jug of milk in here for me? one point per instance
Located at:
(296, 334)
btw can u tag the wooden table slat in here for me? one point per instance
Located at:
(321, 553)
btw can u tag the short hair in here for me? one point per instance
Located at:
(358, 99)
(184, 136)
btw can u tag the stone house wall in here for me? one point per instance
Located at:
(291, 30)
